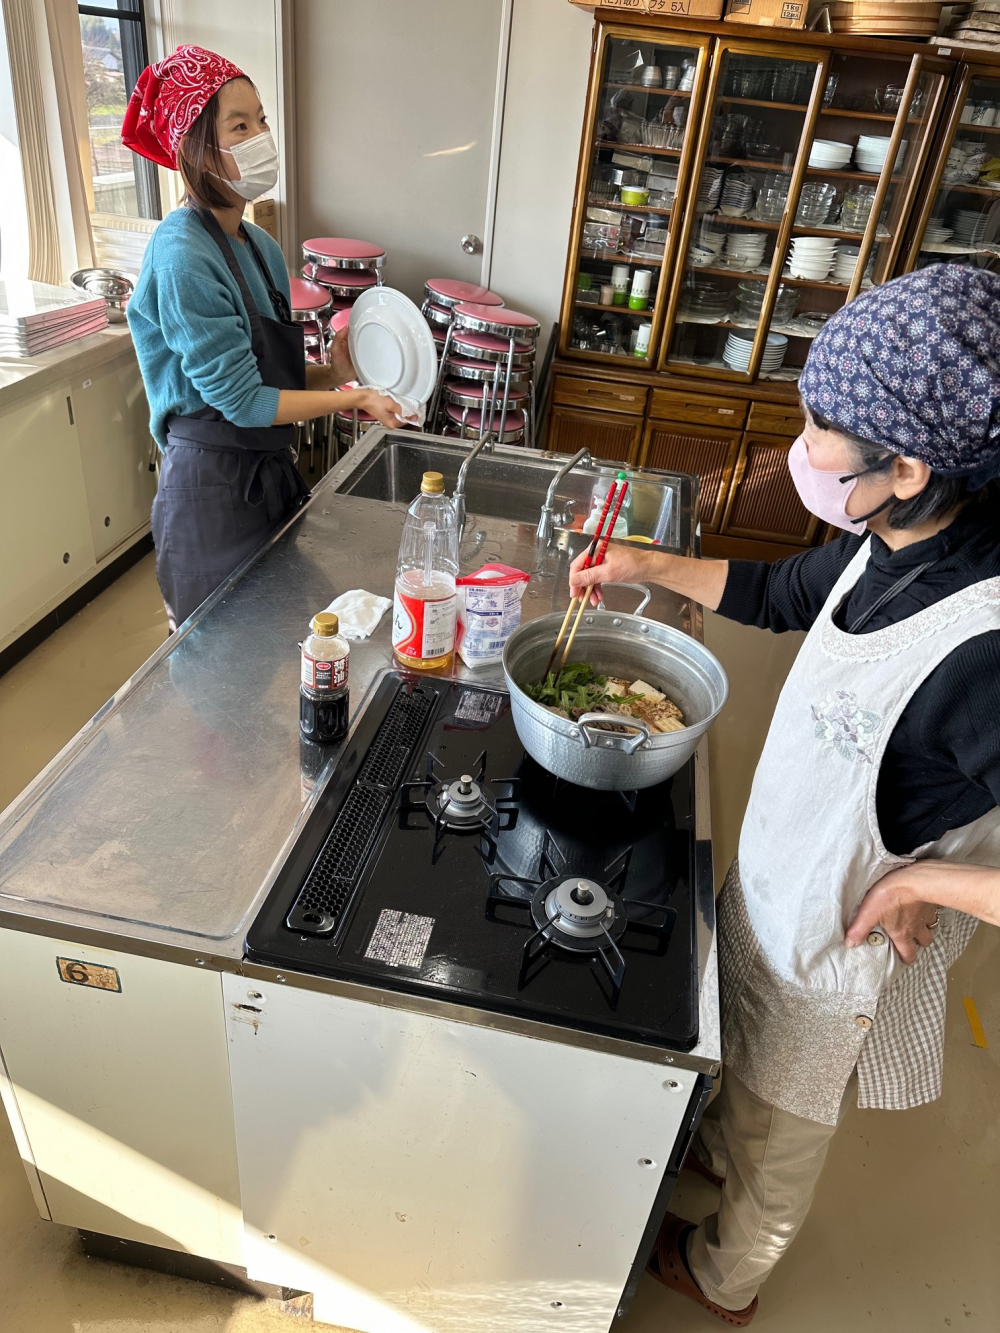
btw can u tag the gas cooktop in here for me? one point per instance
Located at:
(442, 861)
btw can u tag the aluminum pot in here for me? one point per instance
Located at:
(586, 753)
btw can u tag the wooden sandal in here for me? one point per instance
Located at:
(668, 1267)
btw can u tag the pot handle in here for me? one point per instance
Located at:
(611, 740)
(636, 587)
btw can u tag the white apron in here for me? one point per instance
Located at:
(800, 1009)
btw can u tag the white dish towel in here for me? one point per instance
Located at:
(359, 612)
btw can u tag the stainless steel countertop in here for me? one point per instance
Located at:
(160, 826)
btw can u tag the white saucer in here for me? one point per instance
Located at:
(391, 345)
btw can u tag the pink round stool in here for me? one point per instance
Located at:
(488, 347)
(499, 321)
(343, 284)
(437, 316)
(342, 252)
(468, 424)
(449, 292)
(482, 371)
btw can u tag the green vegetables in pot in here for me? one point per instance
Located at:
(575, 689)
(578, 689)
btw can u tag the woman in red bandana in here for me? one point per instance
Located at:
(223, 363)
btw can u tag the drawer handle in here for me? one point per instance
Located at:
(726, 411)
(609, 393)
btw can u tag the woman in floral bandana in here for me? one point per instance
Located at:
(222, 361)
(871, 843)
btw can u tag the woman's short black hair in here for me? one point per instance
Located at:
(941, 497)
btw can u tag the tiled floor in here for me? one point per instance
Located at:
(902, 1237)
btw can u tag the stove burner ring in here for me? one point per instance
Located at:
(462, 803)
(578, 913)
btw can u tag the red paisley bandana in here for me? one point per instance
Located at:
(168, 99)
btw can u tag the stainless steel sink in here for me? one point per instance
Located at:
(508, 482)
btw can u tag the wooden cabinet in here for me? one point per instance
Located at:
(605, 434)
(763, 503)
(710, 455)
(45, 539)
(602, 395)
(112, 418)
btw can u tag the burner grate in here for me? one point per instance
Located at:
(328, 887)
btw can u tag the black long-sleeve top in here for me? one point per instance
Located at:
(941, 768)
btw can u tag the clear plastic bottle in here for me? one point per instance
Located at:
(425, 609)
(324, 689)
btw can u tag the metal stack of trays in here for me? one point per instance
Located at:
(35, 317)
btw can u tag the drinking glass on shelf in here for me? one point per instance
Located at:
(857, 207)
(830, 91)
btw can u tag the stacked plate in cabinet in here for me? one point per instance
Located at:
(973, 227)
(745, 249)
(705, 302)
(738, 195)
(710, 187)
(739, 346)
(751, 301)
(872, 151)
(844, 264)
(829, 154)
(936, 233)
(812, 257)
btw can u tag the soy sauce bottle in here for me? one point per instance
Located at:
(324, 698)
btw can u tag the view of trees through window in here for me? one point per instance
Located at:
(113, 54)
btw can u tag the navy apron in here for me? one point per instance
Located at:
(224, 489)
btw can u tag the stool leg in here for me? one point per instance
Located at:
(506, 390)
(439, 382)
(494, 395)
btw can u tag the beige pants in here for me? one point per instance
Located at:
(770, 1161)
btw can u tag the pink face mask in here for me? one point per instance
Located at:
(824, 494)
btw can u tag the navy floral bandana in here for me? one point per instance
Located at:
(914, 366)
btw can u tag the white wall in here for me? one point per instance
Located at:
(546, 91)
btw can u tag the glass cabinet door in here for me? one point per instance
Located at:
(963, 223)
(865, 156)
(751, 145)
(638, 153)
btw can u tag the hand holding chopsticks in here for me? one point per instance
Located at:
(598, 548)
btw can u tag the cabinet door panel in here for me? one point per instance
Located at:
(112, 419)
(764, 502)
(45, 542)
(570, 391)
(709, 454)
(605, 435)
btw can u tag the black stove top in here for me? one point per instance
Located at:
(441, 860)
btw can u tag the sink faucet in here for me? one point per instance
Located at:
(545, 521)
(458, 499)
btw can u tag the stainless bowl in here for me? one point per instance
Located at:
(585, 752)
(116, 288)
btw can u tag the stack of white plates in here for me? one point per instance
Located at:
(812, 257)
(36, 317)
(711, 238)
(710, 187)
(936, 233)
(739, 346)
(745, 249)
(871, 151)
(845, 263)
(830, 154)
(972, 227)
(737, 196)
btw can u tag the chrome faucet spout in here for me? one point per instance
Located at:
(545, 520)
(458, 498)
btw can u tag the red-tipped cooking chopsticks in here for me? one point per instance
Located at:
(585, 595)
(586, 565)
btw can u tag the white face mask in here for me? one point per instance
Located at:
(257, 162)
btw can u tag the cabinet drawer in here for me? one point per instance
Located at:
(763, 502)
(710, 455)
(729, 413)
(572, 392)
(604, 434)
(774, 419)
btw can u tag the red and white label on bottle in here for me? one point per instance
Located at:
(422, 629)
(324, 675)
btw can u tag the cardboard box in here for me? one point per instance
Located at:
(263, 213)
(692, 9)
(768, 13)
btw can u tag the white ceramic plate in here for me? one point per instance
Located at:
(391, 344)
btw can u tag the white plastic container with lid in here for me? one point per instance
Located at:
(425, 607)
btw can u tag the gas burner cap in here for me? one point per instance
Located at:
(462, 803)
(580, 907)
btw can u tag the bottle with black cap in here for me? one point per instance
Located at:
(324, 698)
